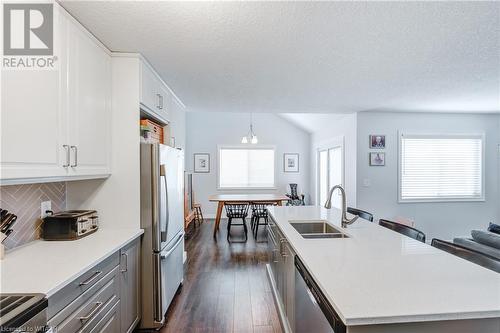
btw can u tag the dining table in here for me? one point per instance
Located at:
(221, 200)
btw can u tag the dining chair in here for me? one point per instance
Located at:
(236, 210)
(259, 211)
(403, 229)
(361, 213)
(476, 257)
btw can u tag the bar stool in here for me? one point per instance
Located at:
(198, 215)
(236, 211)
(403, 229)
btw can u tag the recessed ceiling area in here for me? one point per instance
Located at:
(321, 57)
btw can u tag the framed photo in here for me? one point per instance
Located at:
(202, 163)
(377, 141)
(291, 162)
(377, 159)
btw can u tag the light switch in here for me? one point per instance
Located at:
(44, 207)
(367, 182)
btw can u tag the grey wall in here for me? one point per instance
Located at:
(440, 219)
(206, 130)
(333, 128)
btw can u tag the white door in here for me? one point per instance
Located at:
(89, 105)
(330, 173)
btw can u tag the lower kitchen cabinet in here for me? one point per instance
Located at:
(105, 298)
(129, 286)
(281, 257)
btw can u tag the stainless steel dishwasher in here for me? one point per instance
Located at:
(313, 313)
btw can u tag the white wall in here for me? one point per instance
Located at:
(440, 219)
(328, 130)
(206, 130)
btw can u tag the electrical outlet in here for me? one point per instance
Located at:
(44, 207)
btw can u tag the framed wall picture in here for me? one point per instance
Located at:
(202, 163)
(377, 159)
(291, 162)
(377, 141)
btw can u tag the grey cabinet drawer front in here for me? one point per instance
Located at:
(89, 308)
(110, 322)
(87, 280)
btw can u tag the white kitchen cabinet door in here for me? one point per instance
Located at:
(33, 120)
(89, 106)
(154, 94)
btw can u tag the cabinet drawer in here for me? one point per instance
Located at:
(90, 311)
(76, 288)
(110, 323)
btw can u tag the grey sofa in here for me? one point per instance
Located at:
(473, 245)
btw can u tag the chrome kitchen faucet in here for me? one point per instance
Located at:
(328, 205)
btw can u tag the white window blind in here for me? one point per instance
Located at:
(246, 167)
(441, 167)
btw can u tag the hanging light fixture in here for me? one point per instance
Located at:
(250, 137)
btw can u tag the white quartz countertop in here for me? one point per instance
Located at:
(378, 276)
(48, 266)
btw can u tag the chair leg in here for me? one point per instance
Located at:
(256, 227)
(245, 227)
(228, 228)
(201, 215)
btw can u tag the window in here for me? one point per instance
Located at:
(241, 167)
(330, 173)
(441, 168)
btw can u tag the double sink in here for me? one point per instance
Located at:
(316, 229)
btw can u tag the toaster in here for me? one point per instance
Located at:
(70, 225)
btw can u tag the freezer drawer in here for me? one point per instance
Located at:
(172, 269)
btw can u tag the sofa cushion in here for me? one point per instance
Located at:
(486, 238)
(495, 228)
(471, 244)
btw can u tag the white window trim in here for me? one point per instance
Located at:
(247, 146)
(338, 142)
(440, 136)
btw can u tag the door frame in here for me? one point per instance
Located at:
(337, 142)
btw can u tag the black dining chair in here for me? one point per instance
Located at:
(259, 211)
(476, 257)
(403, 229)
(236, 211)
(361, 213)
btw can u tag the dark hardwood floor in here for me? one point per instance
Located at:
(225, 285)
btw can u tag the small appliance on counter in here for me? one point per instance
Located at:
(70, 225)
(23, 313)
(7, 220)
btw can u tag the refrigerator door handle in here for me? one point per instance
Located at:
(163, 233)
(166, 254)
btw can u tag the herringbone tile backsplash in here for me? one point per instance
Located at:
(24, 201)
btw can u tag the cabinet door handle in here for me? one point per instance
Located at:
(92, 313)
(66, 149)
(124, 255)
(90, 279)
(161, 102)
(75, 149)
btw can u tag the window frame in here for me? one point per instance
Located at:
(249, 147)
(480, 136)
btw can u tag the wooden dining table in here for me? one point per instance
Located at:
(221, 199)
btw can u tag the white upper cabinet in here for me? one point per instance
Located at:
(89, 105)
(154, 94)
(55, 124)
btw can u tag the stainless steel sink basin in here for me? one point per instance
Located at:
(317, 229)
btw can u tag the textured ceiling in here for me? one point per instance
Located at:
(312, 56)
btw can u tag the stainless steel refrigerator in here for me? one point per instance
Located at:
(162, 218)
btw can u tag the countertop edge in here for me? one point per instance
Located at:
(61, 285)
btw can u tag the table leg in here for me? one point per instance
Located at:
(217, 217)
(280, 203)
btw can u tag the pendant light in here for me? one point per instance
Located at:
(250, 137)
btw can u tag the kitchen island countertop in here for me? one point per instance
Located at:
(378, 276)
